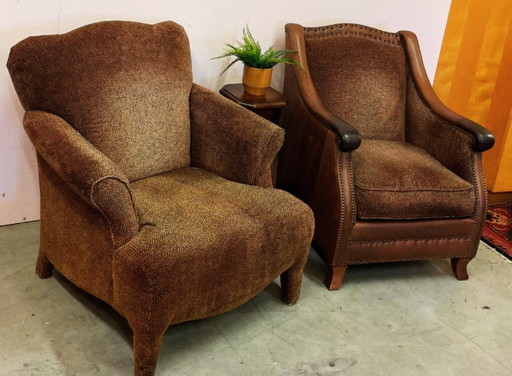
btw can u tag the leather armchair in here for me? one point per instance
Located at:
(390, 173)
(155, 192)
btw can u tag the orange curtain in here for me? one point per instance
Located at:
(474, 77)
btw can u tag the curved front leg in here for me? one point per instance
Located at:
(459, 267)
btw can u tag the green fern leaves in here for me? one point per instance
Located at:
(249, 53)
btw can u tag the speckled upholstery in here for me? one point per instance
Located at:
(397, 180)
(360, 80)
(155, 193)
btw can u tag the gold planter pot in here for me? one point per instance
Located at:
(256, 81)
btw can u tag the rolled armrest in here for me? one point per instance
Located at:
(483, 139)
(348, 137)
(90, 173)
(230, 140)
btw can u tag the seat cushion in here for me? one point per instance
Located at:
(397, 180)
(212, 242)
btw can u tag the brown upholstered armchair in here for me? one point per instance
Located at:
(390, 173)
(155, 192)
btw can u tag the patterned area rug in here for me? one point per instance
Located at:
(498, 228)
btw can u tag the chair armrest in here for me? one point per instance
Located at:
(483, 139)
(231, 141)
(348, 138)
(91, 174)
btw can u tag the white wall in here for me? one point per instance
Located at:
(209, 24)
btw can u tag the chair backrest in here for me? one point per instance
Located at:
(360, 76)
(123, 85)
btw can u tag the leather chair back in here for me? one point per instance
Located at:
(360, 76)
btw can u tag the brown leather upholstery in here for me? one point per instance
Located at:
(155, 192)
(390, 173)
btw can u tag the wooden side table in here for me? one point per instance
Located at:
(267, 106)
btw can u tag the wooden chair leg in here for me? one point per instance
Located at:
(334, 277)
(459, 267)
(146, 349)
(44, 267)
(291, 282)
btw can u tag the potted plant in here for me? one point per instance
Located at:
(257, 65)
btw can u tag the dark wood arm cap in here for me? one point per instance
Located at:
(347, 136)
(484, 139)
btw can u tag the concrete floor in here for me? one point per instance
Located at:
(389, 319)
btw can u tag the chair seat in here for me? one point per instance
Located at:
(226, 240)
(397, 180)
